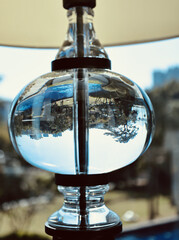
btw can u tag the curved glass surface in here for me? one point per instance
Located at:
(81, 122)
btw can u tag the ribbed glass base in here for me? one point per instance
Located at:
(83, 209)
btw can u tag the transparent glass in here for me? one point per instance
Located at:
(88, 122)
(96, 214)
(81, 121)
(81, 38)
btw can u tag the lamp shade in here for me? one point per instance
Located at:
(42, 23)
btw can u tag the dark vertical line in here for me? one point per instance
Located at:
(82, 121)
(80, 36)
(75, 123)
(83, 207)
(82, 142)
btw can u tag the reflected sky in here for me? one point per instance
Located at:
(56, 153)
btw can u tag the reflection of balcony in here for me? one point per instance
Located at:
(57, 134)
(36, 136)
(45, 135)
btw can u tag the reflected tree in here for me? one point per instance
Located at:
(114, 110)
(116, 115)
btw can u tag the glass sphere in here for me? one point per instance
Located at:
(44, 121)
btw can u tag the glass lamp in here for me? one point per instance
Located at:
(83, 122)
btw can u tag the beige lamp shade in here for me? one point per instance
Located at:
(43, 23)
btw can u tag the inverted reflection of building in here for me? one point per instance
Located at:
(40, 135)
(47, 116)
(56, 115)
(36, 136)
(45, 135)
(57, 134)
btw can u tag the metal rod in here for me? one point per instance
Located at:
(83, 207)
(82, 116)
(80, 36)
(82, 122)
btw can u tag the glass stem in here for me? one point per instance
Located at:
(82, 204)
(80, 36)
(82, 115)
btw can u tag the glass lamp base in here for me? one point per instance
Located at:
(83, 213)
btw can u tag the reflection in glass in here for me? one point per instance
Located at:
(44, 122)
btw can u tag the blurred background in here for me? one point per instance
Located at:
(146, 191)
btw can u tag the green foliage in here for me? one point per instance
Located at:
(158, 100)
(165, 101)
(166, 105)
